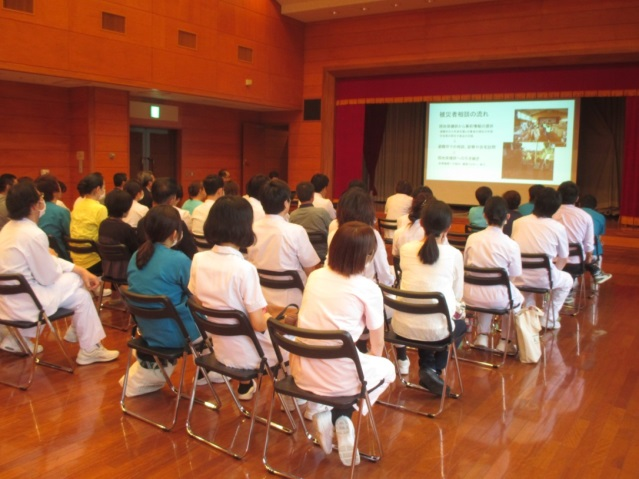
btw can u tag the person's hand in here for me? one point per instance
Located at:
(90, 280)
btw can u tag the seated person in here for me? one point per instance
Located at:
(231, 188)
(311, 218)
(513, 199)
(146, 179)
(253, 191)
(432, 265)
(398, 204)
(540, 234)
(196, 197)
(56, 220)
(320, 184)
(280, 245)
(491, 248)
(119, 179)
(137, 210)
(527, 208)
(476, 213)
(428, 195)
(214, 189)
(413, 230)
(222, 279)
(7, 180)
(156, 269)
(589, 205)
(339, 296)
(57, 283)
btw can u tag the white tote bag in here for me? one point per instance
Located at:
(528, 325)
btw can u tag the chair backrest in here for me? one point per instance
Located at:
(458, 240)
(11, 284)
(576, 251)
(289, 279)
(56, 246)
(473, 228)
(80, 246)
(398, 270)
(336, 344)
(384, 224)
(151, 307)
(115, 260)
(241, 326)
(426, 303)
(537, 261)
(201, 242)
(496, 277)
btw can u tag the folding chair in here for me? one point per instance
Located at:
(458, 240)
(386, 229)
(398, 271)
(473, 228)
(201, 243)
(80, 246)
(577, 271)
(289, 279)
(115, 260)
(493, 278)
(532, 261)
(422, 304)
(155, 308)
(15, 284)
(318, 239)
(228, 323)
(55, 245)
(326, 345)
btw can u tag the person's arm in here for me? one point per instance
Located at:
(376, 338)
(90, 281)
(258, 319)
(561, 262)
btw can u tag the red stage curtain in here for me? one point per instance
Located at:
(375, 125)
(349, 146)
(630, 186)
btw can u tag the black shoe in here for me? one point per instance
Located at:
(430, 380)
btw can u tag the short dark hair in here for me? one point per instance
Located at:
(423, 189)
(118, 202)
(305, 191)
(230, 220)
(212, 183)
(513, 199)
(482, 194)
(569, 192)
(255, 185)
(436, 218)
(6, 180)
(533, 191)
(133, 188)
(21, 198)
(159, 223)
(231, 188)
(145, 177)
(320, 181)
(163, 189)
(47, 185)
(194, 188)
(403, 186)
(496, 210)
(547, 203)
(273, 196)
(357, 184)
(223, 174)
(273, 174)
(352, 245)
(588, 201)
(90, 183)
(119, 179)
(356, 205)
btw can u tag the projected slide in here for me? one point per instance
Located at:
(518, 142)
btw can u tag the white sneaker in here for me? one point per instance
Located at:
(11, 345)
(248, 395)
(549, 324)
(602, 277)
(324, 430)
(71, 336)
(481, 341)
(404, 366)
(214, 377)
(313, 408)
(99, 354)
(346, 440)
(512, 348)
(107, 292)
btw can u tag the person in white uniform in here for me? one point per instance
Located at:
(253, 188)
(214, 188)
(491, 248)
(340, 296)
(57, 283)
(432, 265)
(539, 233)
(320, 183)
(222, 279)
(138, 210)
(412, 230)
(398, 204)
(280, 245)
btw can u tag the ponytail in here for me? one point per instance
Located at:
(429, 252)
(145, 253)
(435, 219)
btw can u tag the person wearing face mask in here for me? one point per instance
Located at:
(137, 210)
(86, 217)
(57, 283)
(56, 220)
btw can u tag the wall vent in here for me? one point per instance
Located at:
(18, 5)
(187, 39)
(113, 22)
(245, 54)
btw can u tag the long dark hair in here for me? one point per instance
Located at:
(159, 223)
(436, 218)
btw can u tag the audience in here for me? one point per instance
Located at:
(527, 208)
(311, 218)
(214, 189)
(400, 203)
(254, 188)
(231, 188)
(413, 230)
(428, 195)
(114, 230)
(320, 184)
(513, 199)
(146, 179)
(138, 210)
(119, 179)
(196, 197)
(225, 175)
(589, 205)
(7, 180)
(476, 213)
(56, 220)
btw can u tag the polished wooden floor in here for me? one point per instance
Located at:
(577, 415)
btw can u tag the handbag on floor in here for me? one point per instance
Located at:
(528, 326)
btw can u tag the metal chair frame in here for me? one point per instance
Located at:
(112, 253)
(496, 278)
(577, 271)
(398, 271)
(539, 261)
(457, 240)
(206, 361)
(384, 225)
(436, 305)
(318, 238)
(13, 284)
(335, 345)
(473, 229)
(289, 279)
(201, 242)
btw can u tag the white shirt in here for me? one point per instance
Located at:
(491, 248)
(135, 214)
(24, 249)
(281, 246)
(397, 205)
(406, 234)
(320, 202)
(579, 227)
(222, 279)
(539, 235)
(200, 213)
(403, 221)
(185, 216)
(258, 209)
(446, 276)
